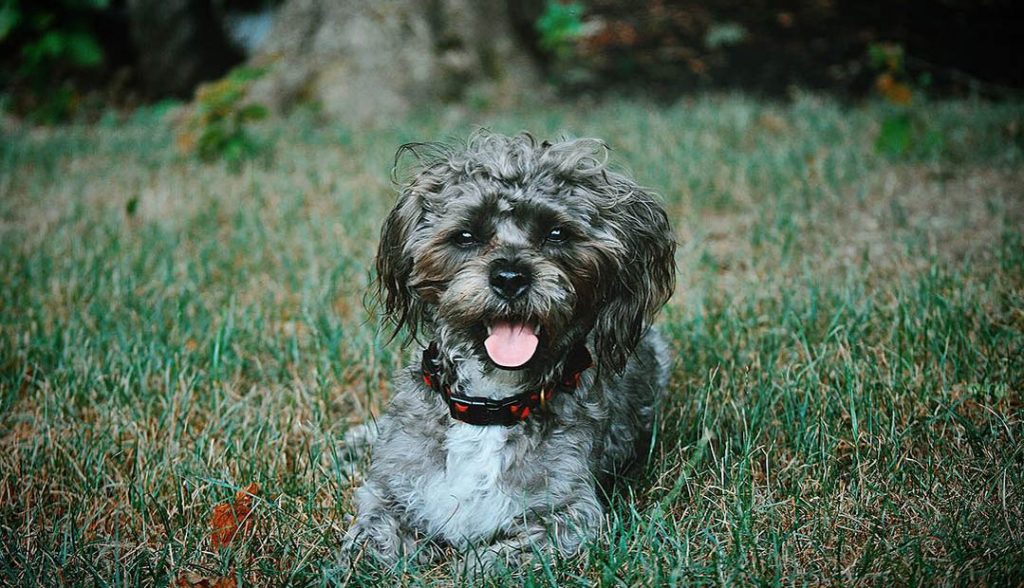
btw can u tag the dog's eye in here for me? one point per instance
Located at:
(556, 235)
(465, 239)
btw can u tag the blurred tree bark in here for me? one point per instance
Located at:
(369, 61)
(180, 43)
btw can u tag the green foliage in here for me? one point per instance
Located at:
(219, 127)
(10, 15)
(52, 40)
(77, 48)
(560, 29)
(886, 57)
(559, 26)
(894, 138)
(903, 132)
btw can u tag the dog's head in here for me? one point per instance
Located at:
(514, 252)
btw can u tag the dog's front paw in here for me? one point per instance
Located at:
(380, 537)
(377, 539)
(474, 566)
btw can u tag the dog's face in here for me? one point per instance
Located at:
(513, 252)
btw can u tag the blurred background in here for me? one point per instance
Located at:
(367, 61)
(191, 195)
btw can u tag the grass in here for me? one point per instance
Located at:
(846, 404)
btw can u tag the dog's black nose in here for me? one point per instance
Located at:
(509, 282)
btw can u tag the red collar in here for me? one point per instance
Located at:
(508, 411)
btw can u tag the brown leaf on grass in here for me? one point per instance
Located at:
(884, 82)
(900, 94)
(893, 90)
(233, 519)
(189, 580)
(185, 141)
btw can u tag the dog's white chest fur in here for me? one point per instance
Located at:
(465, 502)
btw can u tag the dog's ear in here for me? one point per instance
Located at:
(400, 303)
(394, 265)
(644, 276)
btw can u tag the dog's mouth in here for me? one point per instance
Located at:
(511, 344)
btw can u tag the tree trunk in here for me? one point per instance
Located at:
(370, 61)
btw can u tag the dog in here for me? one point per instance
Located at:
(534, 271)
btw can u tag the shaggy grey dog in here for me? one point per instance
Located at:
(520, 262)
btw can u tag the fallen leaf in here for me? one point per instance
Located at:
(185, 142)
(884, 82)
(190, 580)
(900, 94)
(894, 91)
(232, 519)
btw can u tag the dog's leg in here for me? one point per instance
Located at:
(381, 535)
(360, 438)
(376, 529)
(562, 531)
(354, 449)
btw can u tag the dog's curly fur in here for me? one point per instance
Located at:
(497, 493)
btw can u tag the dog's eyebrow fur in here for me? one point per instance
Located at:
(515, 160)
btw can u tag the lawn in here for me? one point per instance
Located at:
(846, 402)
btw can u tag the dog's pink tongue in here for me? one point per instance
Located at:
(511, 344)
